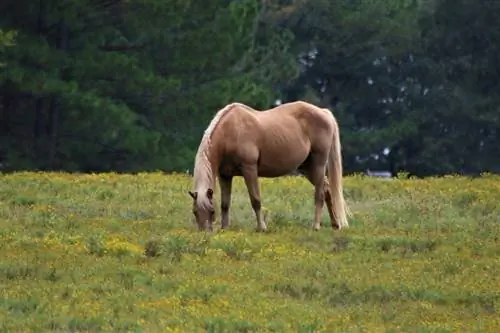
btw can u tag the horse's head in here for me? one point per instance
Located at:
(203, 209)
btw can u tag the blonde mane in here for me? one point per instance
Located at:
(203, 174)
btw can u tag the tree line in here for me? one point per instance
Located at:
(100, 85)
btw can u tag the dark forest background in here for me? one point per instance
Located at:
(120, 85)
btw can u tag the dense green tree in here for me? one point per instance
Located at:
(353, 56)
(450, 118)
(112, 84)
(461, 41)
(131, 85)
(413, 83)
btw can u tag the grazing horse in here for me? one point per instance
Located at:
(241, 141)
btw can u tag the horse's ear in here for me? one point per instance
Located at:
(193, 194)
(210, 193)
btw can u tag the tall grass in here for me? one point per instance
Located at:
(116, 252)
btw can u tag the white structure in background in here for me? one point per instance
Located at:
(380, 174)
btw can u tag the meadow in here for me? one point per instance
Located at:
(121, 253)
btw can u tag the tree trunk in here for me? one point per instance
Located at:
(55, 108)
(38, 133)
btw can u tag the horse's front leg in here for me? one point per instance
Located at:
(250, 174)
(225, 183)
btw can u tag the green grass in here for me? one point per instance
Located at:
(100, 253)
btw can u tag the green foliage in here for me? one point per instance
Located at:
(121, 253)
(131, 85)
(460, 38)
(412, 76)
(7, 39)
(127, 85)
(350, 51)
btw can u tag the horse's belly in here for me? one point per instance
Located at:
(274, 172)
(280, 164)
(284, 154)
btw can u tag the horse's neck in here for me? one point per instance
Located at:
(206, 171)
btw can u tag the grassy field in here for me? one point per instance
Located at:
(116, 253)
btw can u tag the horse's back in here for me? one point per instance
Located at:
(298, 118)
(279, 139)
(290, 133)
(287, 124)
(239, 130)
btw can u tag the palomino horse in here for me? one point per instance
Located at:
(241, 141)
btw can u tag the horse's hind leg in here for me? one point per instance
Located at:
(225, 202)
(329, 201)
(250, 174)
(315, 173)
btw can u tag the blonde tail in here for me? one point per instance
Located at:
(334, 173)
